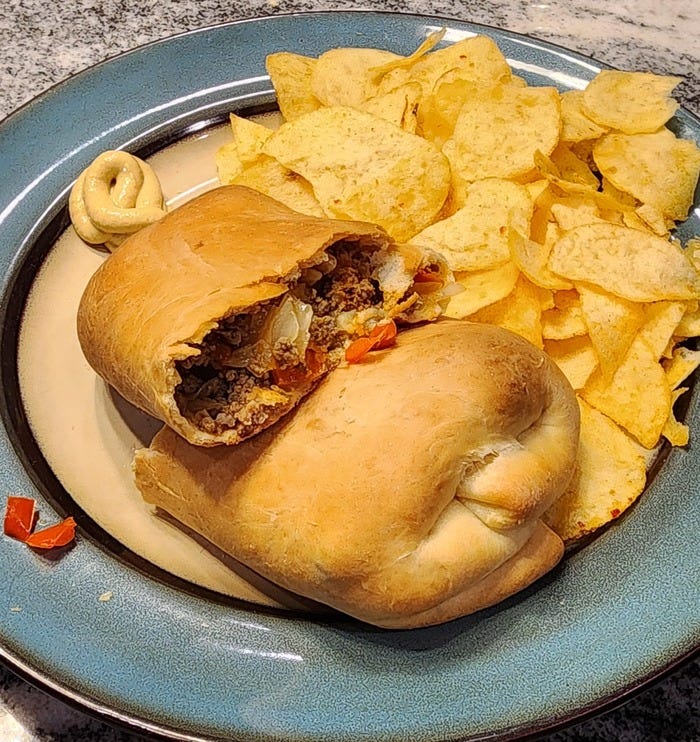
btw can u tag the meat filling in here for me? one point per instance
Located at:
(249, 360)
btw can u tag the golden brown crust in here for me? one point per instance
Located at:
(159, 294)
(375, 495)
(540, 553)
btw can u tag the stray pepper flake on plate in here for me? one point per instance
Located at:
(60, 534)
(20, 518)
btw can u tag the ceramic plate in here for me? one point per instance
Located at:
(119, 625)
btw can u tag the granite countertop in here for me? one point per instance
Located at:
(43, 43)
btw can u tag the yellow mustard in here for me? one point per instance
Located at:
(116, 195)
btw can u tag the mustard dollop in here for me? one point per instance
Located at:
(116, 195)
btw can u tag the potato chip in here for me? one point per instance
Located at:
(458, 194)
(572, 168)
(348, 76)
(267, 176)
(242, 162)
(653, 220)
(621, 197)
(675, 432)
(518, 312)
(444, 96)
(499, 130)
(351, 76)
(543, 229)
(482, 288)
(438, 110)
(604, 200)
(290, 75)
(693, 250)
(637, 397)
(476, 58)
(399, 106)
(610, 476)
(575, 212)
(362, 167)
(625, 262)
(580, 266)
(406, 63)
(634, 221)
(661, 320)
(584, 151)
(580, 196)
(518, 81)
(537, 188)
(532, 259)
(546, 298)
(249, 137)
(575, 356)
(612, 324)
(689, 326)
(565, 319)
(657, 169)
(681, 364)
(228, 163)
(631, 102)
(575, 124)
(547, 169)
(476, 236)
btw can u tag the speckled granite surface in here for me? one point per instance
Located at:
(45, 42)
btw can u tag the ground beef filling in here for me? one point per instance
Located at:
(217, 396)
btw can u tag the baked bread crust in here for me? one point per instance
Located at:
(407, 489)
(153, 301)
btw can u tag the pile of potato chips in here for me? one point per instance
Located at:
(554, 210)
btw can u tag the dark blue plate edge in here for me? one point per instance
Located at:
(529, 733)
(513, 35)
(525, 732)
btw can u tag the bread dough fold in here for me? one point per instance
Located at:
(219, 318)
(406, 490)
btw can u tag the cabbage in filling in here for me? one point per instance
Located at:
(250, 360)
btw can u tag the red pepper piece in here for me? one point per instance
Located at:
(19, 517)
(59, 534)
(358, 349)
(381, 336)
(428, 275)
(385, 335)
(314, 366)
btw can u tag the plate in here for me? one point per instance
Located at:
(160, 655)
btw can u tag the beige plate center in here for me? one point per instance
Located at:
(86, 432)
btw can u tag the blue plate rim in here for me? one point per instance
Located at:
(141, 725)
